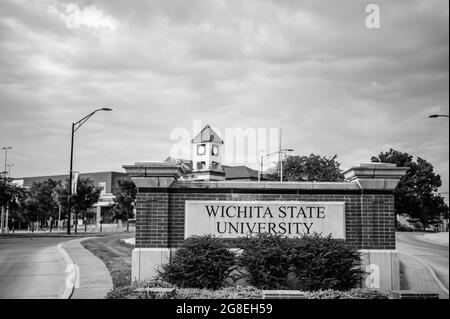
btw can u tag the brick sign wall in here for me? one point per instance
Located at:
(161, 216)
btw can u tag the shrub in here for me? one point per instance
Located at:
(316, 262)
(325, 263)
(266, 259)
(201, 262)
(404, 228)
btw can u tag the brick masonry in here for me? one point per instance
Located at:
(160, 213)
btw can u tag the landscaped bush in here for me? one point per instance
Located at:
(266, 258)
(316, 262)
(324, 263)
(201, 262)
(404, 228)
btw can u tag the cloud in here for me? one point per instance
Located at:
(311, 67)
(90, 16)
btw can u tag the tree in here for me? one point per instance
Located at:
(416, 194)
(11, 196)
(41, 204)
(32, 211)
(60, 194)
(124, 191)
(87, 195)
(310, 168)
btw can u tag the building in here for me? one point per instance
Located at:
(105, 180)
(206, 163)
(207, 156)
(232, 173)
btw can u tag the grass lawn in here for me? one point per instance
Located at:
(115, 254)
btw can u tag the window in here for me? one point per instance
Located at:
(215, 150)
(201, 165)
(102, 185)
(201, 149)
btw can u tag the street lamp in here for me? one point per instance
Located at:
(437, 115)
(9, 169)
(75, 127)
(282, 151)
(6, 148)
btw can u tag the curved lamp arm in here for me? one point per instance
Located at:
(78, 124)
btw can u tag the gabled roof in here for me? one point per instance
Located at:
(207, 135)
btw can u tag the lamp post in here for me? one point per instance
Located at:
(75, 127)
(6, 148)
(9, 169)
(280, 152)
(4, 212)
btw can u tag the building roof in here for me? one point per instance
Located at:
(105, 176)
(231, 172)
(63, 176)
(207, 135)
(240, 172)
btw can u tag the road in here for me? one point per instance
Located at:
(433, 254)
(31, 267)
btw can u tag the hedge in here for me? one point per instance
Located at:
(201, 262)
(317, 263)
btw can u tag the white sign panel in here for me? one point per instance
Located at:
(75, 184)
(233, 219)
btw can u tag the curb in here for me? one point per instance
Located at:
(72, 270)
(433, 274)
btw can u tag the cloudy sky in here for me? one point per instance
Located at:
(312, 68)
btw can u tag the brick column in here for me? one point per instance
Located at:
(377, 182)
(152, 180)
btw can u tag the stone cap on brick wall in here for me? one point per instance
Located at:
(153, 174)
(266, 185)
(375, 176)
(153, 169)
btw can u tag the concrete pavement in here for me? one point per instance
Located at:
(31, 268)
(422, 258)
(34, 267)
(94, 278)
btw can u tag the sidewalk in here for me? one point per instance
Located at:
(94, 278)
(418, 277)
